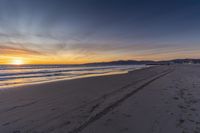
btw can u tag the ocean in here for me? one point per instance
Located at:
(11, 75)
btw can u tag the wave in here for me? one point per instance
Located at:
(20, 75)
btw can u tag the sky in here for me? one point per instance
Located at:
(83, 31)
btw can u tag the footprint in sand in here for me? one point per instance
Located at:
(180, 122)
(124, 129)
(5, 124)
(17, 131)
(127, 115)
(193, 109)
(175, 98)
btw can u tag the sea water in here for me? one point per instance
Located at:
(11, 75)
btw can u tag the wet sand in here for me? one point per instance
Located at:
(154, 100)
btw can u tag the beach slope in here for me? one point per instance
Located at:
(156, 99)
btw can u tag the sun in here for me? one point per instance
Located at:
(17, 62)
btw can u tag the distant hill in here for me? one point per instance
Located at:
(146, 62)
(121, 62)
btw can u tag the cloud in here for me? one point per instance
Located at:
(6, 50)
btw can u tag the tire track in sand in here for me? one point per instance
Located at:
(116, 103)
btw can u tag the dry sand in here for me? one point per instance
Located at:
(162, 99)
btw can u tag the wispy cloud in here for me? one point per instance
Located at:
(6, 50)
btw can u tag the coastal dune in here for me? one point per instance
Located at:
(154, 99)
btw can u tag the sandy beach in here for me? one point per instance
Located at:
(160, 99)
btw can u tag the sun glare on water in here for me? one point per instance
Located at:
(17, 62)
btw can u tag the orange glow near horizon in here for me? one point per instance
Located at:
(79, 58)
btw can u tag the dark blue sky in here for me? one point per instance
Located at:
(100, 29)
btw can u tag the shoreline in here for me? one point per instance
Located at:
(78, 77)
